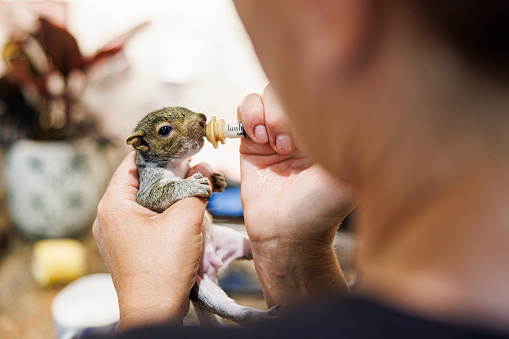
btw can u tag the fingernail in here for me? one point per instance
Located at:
(284, 143)
(261, 133)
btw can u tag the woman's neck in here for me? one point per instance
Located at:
(442, 252)
(434, 219)
(433, 226)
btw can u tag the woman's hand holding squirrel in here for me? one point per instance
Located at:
(153, 258)
(292, 207)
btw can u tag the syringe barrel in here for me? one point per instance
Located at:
(234, 130)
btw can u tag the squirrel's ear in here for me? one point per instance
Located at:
(136, 140)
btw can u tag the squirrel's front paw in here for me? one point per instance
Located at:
(199, 186)
(218, 181)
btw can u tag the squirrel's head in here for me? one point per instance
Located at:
(168, 134)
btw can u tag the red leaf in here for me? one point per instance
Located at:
(113, 47)
(101, 55)
(60, 46)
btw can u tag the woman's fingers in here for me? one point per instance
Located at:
(251, 113)
(265, 121)
(276, 122)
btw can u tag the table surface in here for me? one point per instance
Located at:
(25, 307)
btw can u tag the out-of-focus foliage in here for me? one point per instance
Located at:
(45, 77)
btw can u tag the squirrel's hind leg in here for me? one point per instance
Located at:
(205, 317)
(218, 182)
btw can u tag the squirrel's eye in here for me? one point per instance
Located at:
(164, 131)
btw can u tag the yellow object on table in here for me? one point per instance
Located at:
(57, 261)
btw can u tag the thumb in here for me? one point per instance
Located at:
(124, 182)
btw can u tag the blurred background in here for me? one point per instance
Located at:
(134, 57)
(193, 53)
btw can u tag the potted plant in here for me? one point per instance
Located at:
(55, 168)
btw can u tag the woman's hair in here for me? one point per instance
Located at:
(478, 28)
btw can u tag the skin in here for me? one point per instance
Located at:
(417, 132)
(400, 122)
(138, 245)
(292, 245)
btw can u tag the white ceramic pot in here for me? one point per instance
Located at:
(53, 188)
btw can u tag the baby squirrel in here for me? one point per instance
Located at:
(164, 141)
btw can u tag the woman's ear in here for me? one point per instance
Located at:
(138, 142)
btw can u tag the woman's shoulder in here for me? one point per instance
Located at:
(350, 317)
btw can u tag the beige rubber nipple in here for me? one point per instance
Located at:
(218, 131)
(215, 131)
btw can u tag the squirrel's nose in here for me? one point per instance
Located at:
(202, 120)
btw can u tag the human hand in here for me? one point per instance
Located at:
(292, 207)
(153, 258)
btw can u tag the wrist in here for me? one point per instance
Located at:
(143, 314)
(292, 272)
(143, 308)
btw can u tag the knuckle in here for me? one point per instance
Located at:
(103, 212)
(251, 110)
(251, 101)
(96, 229)
(275, 122)
(101, 208)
